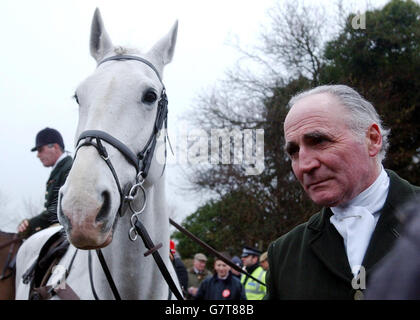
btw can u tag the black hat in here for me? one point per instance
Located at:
(250, 251)
(47, 136)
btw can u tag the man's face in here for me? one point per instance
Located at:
(329, 160)
(49, 154)
(200, 265)
(249, 260)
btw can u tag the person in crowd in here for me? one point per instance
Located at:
(179, 266)
(196, 274)
(222, 285)
(264, 261)
(254, 290)
(49, 145)
(236, 260)
(336, 143)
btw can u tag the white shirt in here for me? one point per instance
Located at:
(356, 220)
(63, 155)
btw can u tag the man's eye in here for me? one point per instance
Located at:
(292, 151)
(317, 140)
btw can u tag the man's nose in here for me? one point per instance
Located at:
(307, 161)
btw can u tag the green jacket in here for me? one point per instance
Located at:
(49, 215)
(310, 261)
(194, 279)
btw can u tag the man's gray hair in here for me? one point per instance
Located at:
(362, 113)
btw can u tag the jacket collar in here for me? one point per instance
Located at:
(387, 228)
(59, 164)
(328, 246)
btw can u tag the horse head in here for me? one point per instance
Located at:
(118, 110)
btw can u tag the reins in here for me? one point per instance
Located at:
(213, 251)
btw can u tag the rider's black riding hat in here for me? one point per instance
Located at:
(47, 136)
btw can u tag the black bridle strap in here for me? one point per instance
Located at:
(131, 57)
(152, 249)
(104, 154)
(107, 274)
(143, 159)
(102, 135)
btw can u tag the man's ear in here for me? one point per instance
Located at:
(374, 140)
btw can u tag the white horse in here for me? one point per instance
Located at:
(121, 99)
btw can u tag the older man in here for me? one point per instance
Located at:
(196, 274)
(336, 144)
(49, 145)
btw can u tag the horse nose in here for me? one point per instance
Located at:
(62, 218)
(87, 223)
(105, 208)
(98, 212)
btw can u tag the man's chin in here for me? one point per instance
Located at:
(325, 200)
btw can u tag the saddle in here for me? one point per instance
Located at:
(40, 271)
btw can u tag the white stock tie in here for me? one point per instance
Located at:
(356, 226)
(356, 220)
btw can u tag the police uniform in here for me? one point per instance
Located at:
(253, 289)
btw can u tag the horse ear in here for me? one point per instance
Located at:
(164, 49)
(100, 43)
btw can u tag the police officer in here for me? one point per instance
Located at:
(49, 145)
(253, 289)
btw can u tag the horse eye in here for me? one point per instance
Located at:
(150, 97)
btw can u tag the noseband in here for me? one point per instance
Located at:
(141, 161)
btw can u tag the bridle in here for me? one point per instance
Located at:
(141, 162)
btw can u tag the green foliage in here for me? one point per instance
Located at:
(220, 224)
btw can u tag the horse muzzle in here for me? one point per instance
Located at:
(89, 226)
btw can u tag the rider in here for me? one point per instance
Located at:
(50, 147)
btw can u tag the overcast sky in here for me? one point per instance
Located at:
(45, 55)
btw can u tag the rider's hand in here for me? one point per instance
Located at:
(23, 226)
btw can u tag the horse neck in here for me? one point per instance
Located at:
(136, 276)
